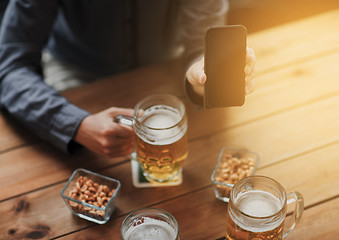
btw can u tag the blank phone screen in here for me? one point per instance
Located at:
(225, 58)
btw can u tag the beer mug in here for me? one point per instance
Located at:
(150, 223)
(160, 124)
(257, 209)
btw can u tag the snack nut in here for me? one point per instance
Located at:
(90, 192)
(231, 167)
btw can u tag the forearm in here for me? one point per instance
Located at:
(40, 108)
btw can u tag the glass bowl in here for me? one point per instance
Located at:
(91, 196)
(233, 164)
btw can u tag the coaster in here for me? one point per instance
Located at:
(139, 180)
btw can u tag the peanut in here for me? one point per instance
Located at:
(88, 191)
(231, 169)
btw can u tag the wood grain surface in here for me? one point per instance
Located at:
(291, 120)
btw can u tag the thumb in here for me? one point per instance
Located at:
(196, 75)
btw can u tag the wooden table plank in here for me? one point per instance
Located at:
(304, 78)
(37, 166)
(211, 224)
(42, 214)
(12, 134)
(292, 42)
(290, 120)
(199, 205)
(283, 135)
(297, 134)
(294, 137)
(322, 215)
(128, 88)
(276, 91)
(286, 109)
(319, 222)
(306, 174)
(314, 174)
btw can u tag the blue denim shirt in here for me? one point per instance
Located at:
(103, 37)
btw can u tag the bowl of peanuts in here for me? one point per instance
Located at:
(91, 196)
(233, 164)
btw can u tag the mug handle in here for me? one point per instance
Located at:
(297, 198)
(124, 120)
(128, 121)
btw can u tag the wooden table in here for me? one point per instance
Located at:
(291, 120)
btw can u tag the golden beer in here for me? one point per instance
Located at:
(160, 124)
(258, 204)
(257, 210)
(161, 143)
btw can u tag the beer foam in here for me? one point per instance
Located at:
(161, 117)
(164, 118)
(258, 203)
(151, 229)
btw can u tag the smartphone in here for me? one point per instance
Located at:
(225, 59)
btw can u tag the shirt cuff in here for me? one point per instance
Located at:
(65, 126)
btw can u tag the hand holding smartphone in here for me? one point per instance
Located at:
(225, 59)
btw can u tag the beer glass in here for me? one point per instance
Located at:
(150, 223)
(257, 209)
(160, 124)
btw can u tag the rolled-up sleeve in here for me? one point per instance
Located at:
(23, 93)
(195, 17)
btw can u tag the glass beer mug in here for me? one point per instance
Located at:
(160, 124)
(257, 210)
(150, 223)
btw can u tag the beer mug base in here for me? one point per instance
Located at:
(174, 177)
(133, 156)
(140, 181)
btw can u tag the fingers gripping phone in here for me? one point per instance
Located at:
(225, 59)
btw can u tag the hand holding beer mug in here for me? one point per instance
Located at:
(257, 209)
(151, 224)
(160, 124)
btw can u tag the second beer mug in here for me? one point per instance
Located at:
(150, 224)
(257, 210)
(160, 124)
